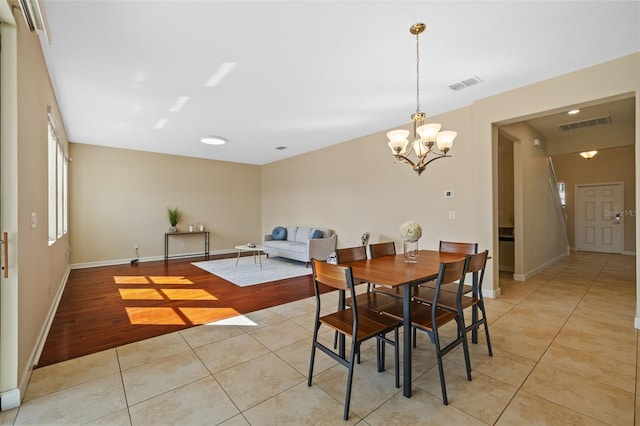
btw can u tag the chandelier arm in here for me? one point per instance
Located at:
(435, 158)
(406, 160)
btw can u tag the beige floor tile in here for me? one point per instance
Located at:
(604, 345)
(154, 378)
(144, 351)
(230, 352)
(294, 309)
(534, 411)
(209, 333)
(300, 405)
(255, 381)
(484, 397)
(69, 373)
(370, 389)
(7, 417)
(298, 356)
(421, 409)
(119, 418)
(522, 325)
(504, 366)
(76, 405)
(200, 402)
(282, 334)
(262, 318)
(517, 343)
(597, 400)
(238, 420)
(305, 320)
(601, 369)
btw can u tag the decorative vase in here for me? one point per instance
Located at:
(411, 251)
(173, 229)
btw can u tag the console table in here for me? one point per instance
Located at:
(205, 234)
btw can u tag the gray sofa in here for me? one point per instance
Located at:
(298, 243)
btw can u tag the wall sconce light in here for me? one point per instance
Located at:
(588, 154)
(536, 143)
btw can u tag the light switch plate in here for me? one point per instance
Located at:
(448, 193)
(33, 220)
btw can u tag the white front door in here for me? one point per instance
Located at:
(600, 218)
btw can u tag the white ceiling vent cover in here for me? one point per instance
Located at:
(472, 81)
(585, 123)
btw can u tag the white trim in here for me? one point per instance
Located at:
(9, 399)
(527, 275)
(491, 294)
(145, 259)
(636, 322)
(44, 332)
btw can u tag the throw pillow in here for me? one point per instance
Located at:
(279, 233)
(316, 234)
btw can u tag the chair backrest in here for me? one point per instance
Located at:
(457, 247)
(336, 276)
(451, 272)
(476, 263)
(382, 249)
(350, 254)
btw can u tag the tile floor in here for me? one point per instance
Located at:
(565, 352)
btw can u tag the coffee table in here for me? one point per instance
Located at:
(256, 250)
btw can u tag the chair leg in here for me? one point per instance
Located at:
(486, 326)
(313, 357)
(335, 340)
(462, 333)
(397, 357)
(347, 402)
(414, 337)
(443, 385)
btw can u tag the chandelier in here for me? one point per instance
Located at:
(427, 141)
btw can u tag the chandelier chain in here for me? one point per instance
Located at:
(418, 73)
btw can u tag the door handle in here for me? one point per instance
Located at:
(5, 255)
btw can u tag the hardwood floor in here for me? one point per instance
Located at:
(109, 306)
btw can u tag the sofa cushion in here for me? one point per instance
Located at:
(326, 233)
(303, 234)
(316, 233)
(277, 244)
(279, 233)
(299, 247)
(291, 233)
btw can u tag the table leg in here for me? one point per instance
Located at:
(260, 259)
(238, 258)
(406, 340)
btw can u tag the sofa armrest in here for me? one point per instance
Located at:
(268, 237)
(321, 248)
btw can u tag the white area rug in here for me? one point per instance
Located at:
(248, 273)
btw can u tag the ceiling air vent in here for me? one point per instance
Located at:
(585, 123)
(465, 83)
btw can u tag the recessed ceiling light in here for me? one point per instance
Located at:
(573, 111)
(213, 140)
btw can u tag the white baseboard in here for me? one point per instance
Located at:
(529, 274)
(9, 399)
(144, 259)
(491, 294)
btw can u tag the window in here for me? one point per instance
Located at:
(561, 191)
(58, 198)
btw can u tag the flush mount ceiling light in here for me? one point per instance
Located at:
(213, 140)
(427, 139)
(588, 154)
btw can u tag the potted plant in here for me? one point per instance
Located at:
(174, 216)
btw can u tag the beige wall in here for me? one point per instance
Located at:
(610, 165)
(119, 198)
(41, 268)
(355, 187)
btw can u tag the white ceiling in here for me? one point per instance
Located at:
(308, 74)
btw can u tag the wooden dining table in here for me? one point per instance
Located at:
(392, 272)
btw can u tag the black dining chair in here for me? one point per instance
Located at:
(476, 265)
(430, 318)
(359, 324)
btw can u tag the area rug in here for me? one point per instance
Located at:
(249, 273)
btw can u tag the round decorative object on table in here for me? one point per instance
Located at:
(411, 231)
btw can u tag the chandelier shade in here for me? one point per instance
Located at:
(426, 141)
